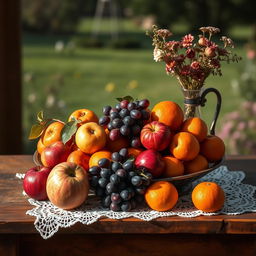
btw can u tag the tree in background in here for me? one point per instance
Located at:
(166, 12)
(52, 16)
(197, 13)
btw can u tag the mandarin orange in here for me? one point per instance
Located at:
(196, 126)
(184, 146)
(173, 167)
(161, 196)
(169, 113)
(197, 164)
(94, 159)
(213, 148)
(208, 197)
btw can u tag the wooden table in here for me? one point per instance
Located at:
(214, 235)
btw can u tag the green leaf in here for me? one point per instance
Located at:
(36, 131)
(40, 116)
(129, 98)
(68, 131)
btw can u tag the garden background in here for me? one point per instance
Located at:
(70, 61)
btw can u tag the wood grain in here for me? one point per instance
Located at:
(127, 245)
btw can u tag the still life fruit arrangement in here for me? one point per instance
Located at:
(119, 155)
(132, 153)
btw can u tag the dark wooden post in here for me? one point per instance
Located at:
(10, 78)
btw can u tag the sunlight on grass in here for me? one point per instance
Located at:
(87, 72)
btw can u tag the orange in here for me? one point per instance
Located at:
(80, 158)
(208, 197)
(40, 146)
(198, 164)
(184, 146)
(161, 196)
(84, 115)
(52, 133)
(90, 137)
(116, 145)
(94, 159)
(213, 148)
(134, 152)
(173, 167)
(196, 126)
(169, 113)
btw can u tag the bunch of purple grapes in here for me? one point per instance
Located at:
(118, 183)
(126, 119)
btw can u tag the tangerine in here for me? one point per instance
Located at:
(196, 126)
(80, 158)
(94, 159)
(169, 113)
(173, 167)
(213, 148)
(208, 197)
(184, 146)
(134, 152)
(161, 196)
(196, 165)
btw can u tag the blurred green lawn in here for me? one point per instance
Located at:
(86, 72)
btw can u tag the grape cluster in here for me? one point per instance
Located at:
(126, 119)
(118, 183)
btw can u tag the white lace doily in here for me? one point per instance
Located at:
(239, 199)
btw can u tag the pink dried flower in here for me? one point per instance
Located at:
(185, 71)
(203, 41)
(187, 40)
(171, 66)
(210, 52)
(190, 53)
(164, 33)
(195, 65)
(172, 45)
(211, 30)
(198, 75)
(227, 41)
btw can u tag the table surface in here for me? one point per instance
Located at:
(13, 207)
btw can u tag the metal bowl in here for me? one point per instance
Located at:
(36, 159)
(184, 183)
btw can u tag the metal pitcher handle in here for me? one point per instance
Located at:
(217, 109)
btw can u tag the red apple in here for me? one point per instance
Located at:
(34, 183)
(67, 185)
(54, 154)
(155, 135)
(151, 160)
